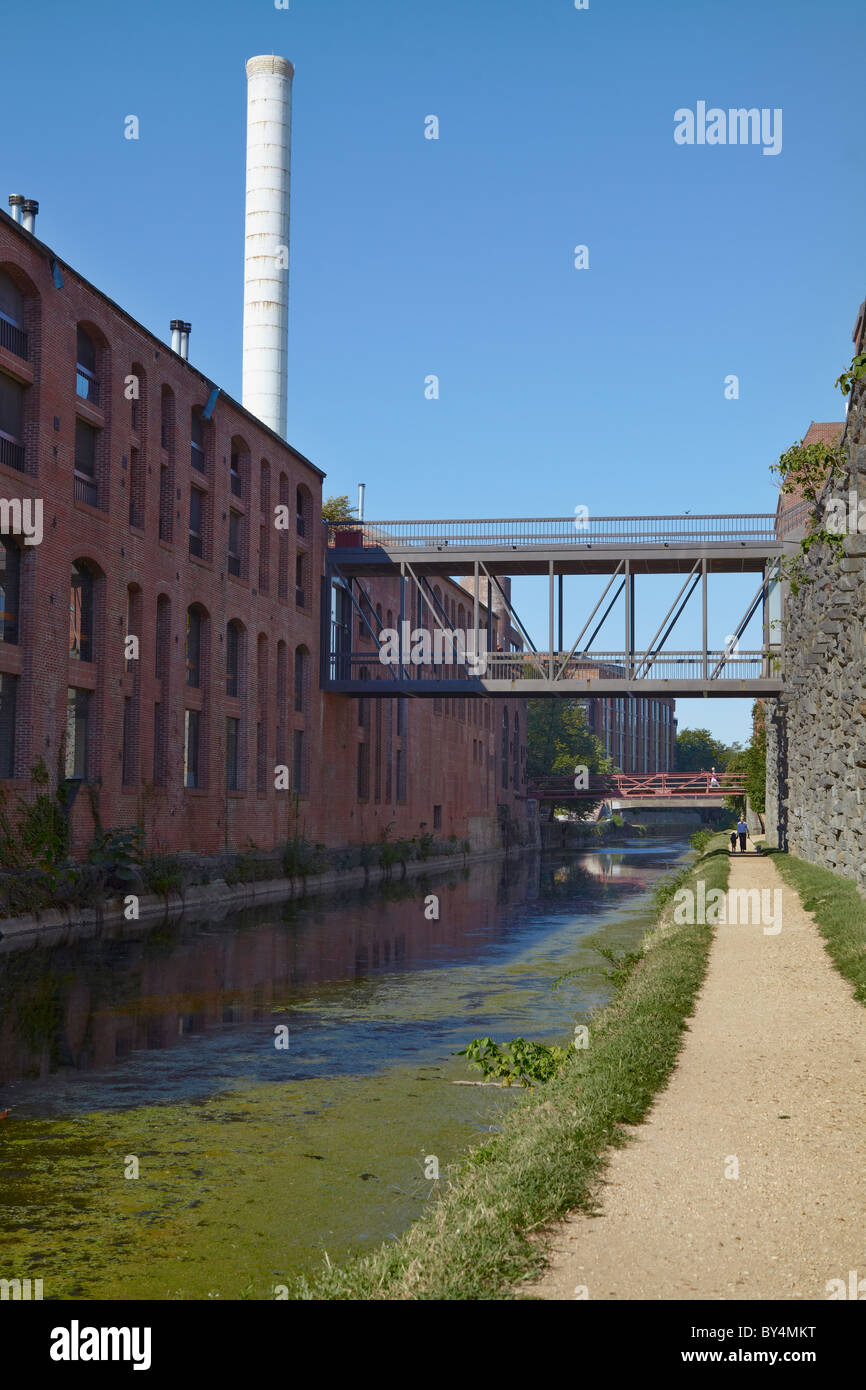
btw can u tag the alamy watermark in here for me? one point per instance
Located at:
(736, 126)
(756, 907)
(22, 516)
(442, 647)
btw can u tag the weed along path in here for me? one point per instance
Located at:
(745, 1181)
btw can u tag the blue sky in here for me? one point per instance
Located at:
(558, 387)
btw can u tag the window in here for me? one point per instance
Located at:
(196, 521)
(302, 510)
(81, 613)
(8, 696)
(191, 733)
(86, 382)
(300, 581)
(235, 478)
(12, 333)
(10, 589)
(196, 447)
(301, 669)
(77, 733)
(85, 486)
(234, 543)
(11, 422)
(136, 489)
(194, 626)
(437, 817)
(233, 750)
(233, 659)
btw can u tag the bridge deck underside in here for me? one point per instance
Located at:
(600, 688)
(741, 558)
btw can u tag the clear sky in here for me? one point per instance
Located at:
(455, 257)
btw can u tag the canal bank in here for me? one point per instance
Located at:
(160, 1042)
(219, 896)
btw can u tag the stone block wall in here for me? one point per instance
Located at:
(816, 733)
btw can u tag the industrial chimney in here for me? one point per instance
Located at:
(266, 247)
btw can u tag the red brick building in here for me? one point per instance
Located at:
(160, 646)
(639, 734)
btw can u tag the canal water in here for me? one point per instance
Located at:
(157, 1049)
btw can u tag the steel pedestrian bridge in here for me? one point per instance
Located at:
(417, 553)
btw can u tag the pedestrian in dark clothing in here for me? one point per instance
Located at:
(742, 831)
(733, 841)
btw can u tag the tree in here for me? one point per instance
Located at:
(698, 751)
(339, 511)
(558, 739)
(751, 764)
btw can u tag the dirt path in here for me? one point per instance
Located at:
(772, 1079)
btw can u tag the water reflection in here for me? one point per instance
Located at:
(95, 1001)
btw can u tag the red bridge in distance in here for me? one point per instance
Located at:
(697, 786)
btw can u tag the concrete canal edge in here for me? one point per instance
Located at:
(478, 1241)
(219, 898)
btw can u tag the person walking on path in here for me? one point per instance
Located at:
(733, 841)
(742, 831)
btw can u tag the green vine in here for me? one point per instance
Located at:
(856, 372)
(810, 469)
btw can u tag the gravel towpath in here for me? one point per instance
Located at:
(770, 1085)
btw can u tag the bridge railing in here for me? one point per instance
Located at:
(642, 786)
(583, 668)
(571, 531)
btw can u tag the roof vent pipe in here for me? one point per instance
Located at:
(176, 326)
(31, 207)
(15, 202)
(185, 330)
(362, 487)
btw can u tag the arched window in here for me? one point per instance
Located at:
(197, 456)
(88, 355)
(282, 697)
(13, 328)
(240, 467)
(81, 612)
(303, 510)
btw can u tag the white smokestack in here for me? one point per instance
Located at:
(266, 274)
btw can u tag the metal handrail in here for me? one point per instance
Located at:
(573, 532)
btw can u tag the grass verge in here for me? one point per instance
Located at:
(839, 910)
(474, 1242)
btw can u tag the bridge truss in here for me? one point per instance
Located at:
(488, 552)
